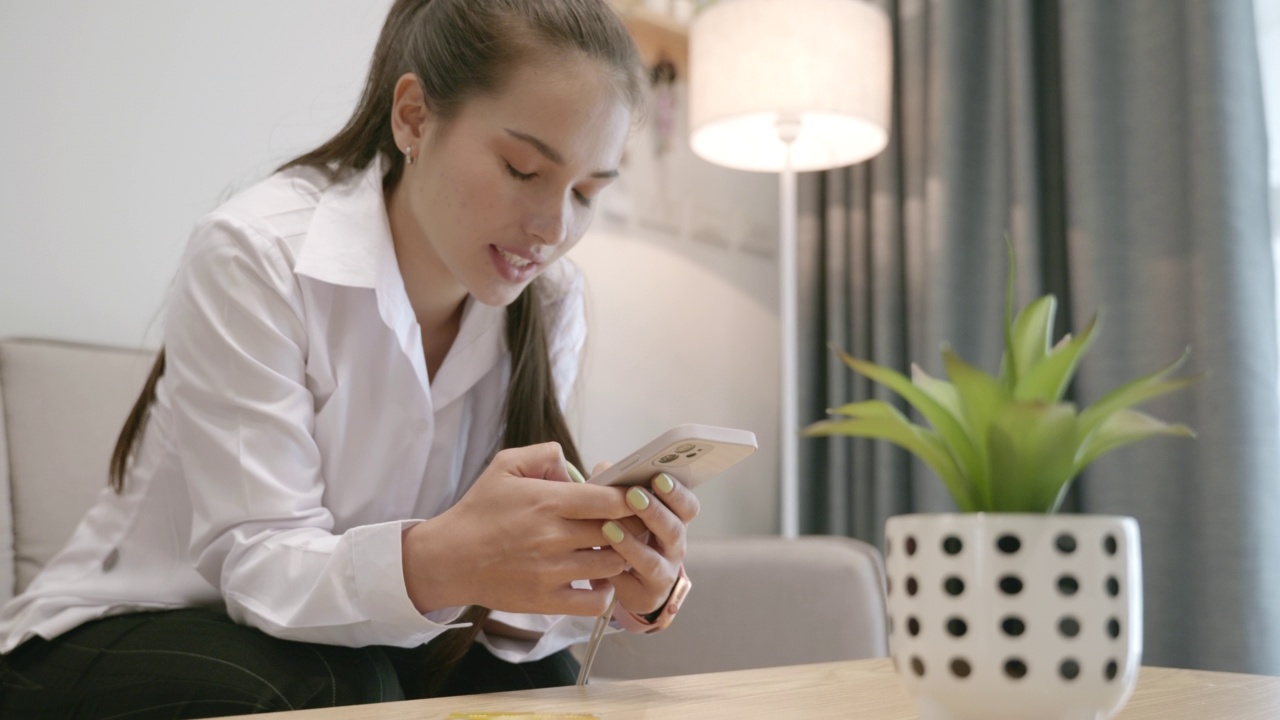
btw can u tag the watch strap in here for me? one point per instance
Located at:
(661, 618)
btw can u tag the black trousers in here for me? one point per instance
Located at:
(198, 663)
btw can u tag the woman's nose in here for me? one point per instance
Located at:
(550, 222)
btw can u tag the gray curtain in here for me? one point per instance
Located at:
(1121, 145)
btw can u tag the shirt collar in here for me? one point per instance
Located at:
(349, 243)
(477, 348)
(349, 236)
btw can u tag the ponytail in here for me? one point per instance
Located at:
(133, 425)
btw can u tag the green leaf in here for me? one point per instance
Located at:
(1032, 446)
(1049, 379)
(1121, 428)
(981, 397)
(947, 424)
(866, 409)
(1136, 392)
(943, 392)
(1008, 375)
(897, 429)
(1033, 333)
(1008, 443)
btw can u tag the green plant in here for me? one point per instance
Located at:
(1008, 443)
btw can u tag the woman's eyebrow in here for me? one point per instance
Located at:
(554, 155)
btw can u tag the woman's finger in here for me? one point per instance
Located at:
(636, 596)
(570, 535)
(676, 496)
(596, 564)
(635, 526)
(668, 530)
(645, 561)
(543, 461)
(642, 588)
(584, 502)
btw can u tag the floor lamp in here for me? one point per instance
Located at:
(788, 86)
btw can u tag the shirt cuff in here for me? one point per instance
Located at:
(379, 577)
(558, 633)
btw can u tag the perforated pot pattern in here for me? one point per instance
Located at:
(1009, 617)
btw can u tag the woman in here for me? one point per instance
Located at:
(352, 443)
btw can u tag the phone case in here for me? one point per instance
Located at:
(691, 454)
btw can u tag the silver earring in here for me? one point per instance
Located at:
(408, 155)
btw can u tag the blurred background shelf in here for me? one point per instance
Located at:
(659, 35)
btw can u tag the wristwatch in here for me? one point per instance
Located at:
(658, 619)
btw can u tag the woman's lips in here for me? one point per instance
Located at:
(513, 266)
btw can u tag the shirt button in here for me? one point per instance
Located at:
(110, 560)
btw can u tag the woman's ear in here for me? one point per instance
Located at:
(409, 113)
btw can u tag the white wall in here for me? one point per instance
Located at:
(125, 121)
(684, 333)
(122, 122)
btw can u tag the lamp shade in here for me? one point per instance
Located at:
(820, 67)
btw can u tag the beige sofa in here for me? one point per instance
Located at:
(757, 601)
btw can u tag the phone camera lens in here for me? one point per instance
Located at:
(668, 458)
(685, 448)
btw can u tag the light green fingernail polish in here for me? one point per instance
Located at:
(574, 473)
(613, 531)
(664, 483)
(637, 499)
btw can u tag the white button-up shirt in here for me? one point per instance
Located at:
(296, 434)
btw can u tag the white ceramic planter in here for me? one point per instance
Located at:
(1011, 617)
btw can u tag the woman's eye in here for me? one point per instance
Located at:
(582, 200)
(519, 175)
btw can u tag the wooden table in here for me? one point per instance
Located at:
(863, 689)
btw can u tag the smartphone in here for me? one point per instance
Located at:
(691, 454)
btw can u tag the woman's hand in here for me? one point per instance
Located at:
(516, 544)
(654, 547)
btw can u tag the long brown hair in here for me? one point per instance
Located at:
(460, 49)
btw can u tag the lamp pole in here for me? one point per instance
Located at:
(758, 71)
(788, 131)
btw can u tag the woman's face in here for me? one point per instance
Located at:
(509, 185)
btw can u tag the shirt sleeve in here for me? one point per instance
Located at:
(236, 348)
